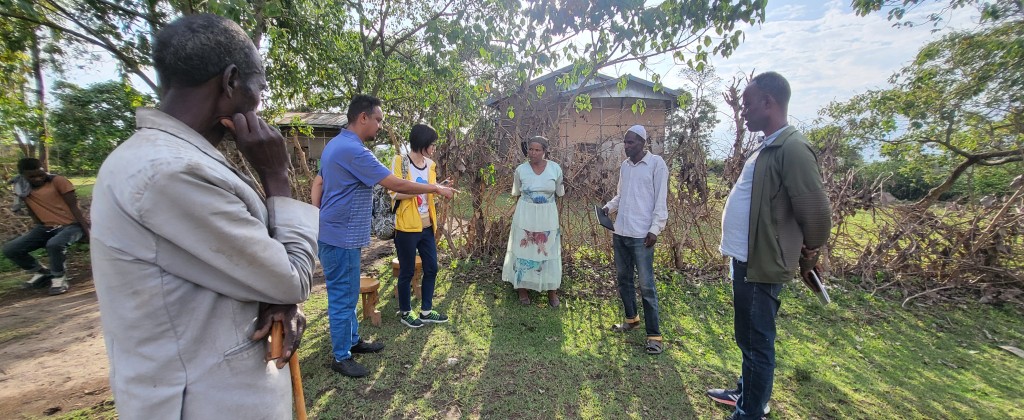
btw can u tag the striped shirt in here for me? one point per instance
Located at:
(350, 171)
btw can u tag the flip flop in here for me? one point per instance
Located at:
(654, 347)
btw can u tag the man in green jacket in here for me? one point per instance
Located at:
(775, 219)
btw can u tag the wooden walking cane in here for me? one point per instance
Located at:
(276, 348)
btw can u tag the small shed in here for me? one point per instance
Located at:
(309, 132)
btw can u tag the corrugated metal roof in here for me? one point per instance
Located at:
(313, 119)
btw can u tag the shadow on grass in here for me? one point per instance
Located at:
(858, 358)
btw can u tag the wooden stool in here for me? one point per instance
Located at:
(417, 290)
(368, 291)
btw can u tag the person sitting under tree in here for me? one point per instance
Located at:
(53, 205)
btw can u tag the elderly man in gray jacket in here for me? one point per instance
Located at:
(191, 263)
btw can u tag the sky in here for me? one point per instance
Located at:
(825, 51)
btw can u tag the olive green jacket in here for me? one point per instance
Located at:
(788, 208)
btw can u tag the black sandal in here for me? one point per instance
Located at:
(654, 347)
(626, 326)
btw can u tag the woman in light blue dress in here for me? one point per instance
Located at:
(533, 260)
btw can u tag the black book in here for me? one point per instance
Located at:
(604, 219)
(814, 283)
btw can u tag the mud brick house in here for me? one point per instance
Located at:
(545, 106)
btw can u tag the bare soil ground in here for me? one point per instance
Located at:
(52, 356)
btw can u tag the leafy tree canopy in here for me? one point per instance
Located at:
(90, 122)
(958, 103)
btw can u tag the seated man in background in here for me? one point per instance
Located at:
(52, 203)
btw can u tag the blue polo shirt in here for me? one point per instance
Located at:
(350, 171)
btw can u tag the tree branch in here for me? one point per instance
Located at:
(130, 64)
(402, 38)
(144, 16)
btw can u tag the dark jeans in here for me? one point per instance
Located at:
(633, 258)
(755, 306)
(406, 245)
(56, 241)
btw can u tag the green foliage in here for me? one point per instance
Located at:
(15, 67)
(958, 105)
(412, 55)
(905, 182)
(122, 29)
(987, 181)
(90, 122)
(846, 150)
(594, 35)
(638, 107)
(897, 10)
(125, 29)
(696, 118)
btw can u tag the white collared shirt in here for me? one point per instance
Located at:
(640, 198)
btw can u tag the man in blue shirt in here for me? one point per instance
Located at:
(349, 171)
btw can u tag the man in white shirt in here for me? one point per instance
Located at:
(642, 213)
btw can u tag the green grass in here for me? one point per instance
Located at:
(83, 185)
(862, 357)
(12, 277)
(858, 358)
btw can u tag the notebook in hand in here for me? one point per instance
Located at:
(604, 219)
(814, 283)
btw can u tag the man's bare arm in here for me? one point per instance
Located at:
(402, 186)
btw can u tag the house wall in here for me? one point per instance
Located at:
(601, 129)
(313, 145)
(595, 132)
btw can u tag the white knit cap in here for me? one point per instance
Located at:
(639, 130)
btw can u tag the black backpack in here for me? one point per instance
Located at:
(382, 225)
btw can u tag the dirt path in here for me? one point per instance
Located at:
(52, 356)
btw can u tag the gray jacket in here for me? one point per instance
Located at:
(183, 251)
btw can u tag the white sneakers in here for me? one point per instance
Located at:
(58, 285)
(38, 281)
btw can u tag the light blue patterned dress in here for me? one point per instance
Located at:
(533, 259)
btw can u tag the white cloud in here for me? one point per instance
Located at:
(826, 52)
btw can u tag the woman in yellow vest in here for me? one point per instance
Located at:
(415, 226)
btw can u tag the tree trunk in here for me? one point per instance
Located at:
(26, 148)
(43, 131)
(154, 28)
(934, 193)
(300, 155)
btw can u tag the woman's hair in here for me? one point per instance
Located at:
(541, 140)
(421, 137)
